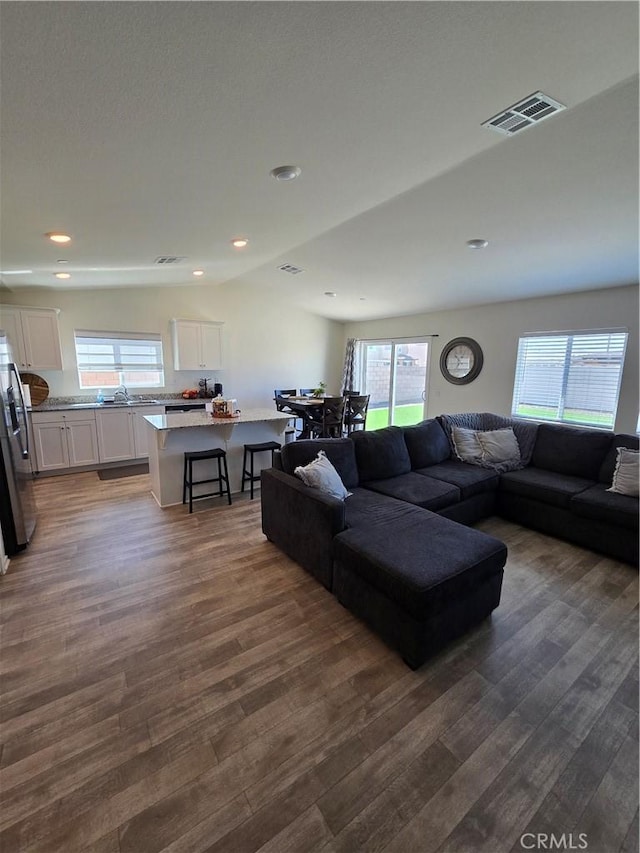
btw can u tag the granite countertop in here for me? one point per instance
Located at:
(179, 420)
(59, 404)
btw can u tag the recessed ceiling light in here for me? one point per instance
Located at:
(62, 274)
(239, 242)
(198, 272)
(478, 243)
(58, 237)
(286, 173)
(62, 261)
(330, 293)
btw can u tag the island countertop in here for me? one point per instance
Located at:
(171, 436)
(183, 420)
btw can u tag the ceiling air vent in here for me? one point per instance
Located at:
(290, 269)
(524, 114)
(170, 259)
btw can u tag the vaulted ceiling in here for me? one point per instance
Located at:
(149, 129)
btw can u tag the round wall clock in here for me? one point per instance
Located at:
(461, 361)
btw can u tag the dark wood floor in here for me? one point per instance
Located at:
(174, 683)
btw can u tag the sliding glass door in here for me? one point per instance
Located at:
(394, 373)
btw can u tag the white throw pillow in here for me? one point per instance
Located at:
(320, 474)
(499, 445)
(466, 444)
(625, 476)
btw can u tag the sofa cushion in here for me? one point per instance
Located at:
(340, 452)
(366, 508)
(610, 460)
(470, 479)
(417, 489)
(571, 451)
(424, 562)
(427, 444)
(381, 453)
(602, 505)
(545, 486)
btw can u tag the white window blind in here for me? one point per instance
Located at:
(570, 377)
(109, 359)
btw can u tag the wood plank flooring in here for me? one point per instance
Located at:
(172, 682)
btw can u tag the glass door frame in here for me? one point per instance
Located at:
(394, 343)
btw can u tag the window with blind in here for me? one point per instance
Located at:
(110, 359)
(570, 377)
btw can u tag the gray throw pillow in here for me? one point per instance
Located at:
(499, 445)
(320, 474)
(466, 444)
(625, 476)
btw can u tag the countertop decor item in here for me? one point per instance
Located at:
(461, 361)
(38, 386)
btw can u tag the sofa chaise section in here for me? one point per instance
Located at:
(419, 582)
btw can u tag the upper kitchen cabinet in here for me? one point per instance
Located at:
(34, 337)
(196, 345)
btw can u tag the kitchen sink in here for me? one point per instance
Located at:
(130, 403)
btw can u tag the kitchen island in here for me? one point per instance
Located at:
(169, 436)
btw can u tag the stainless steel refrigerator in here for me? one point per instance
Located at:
(17, 501)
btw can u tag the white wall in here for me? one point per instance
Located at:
(497, 328)
(268, 344)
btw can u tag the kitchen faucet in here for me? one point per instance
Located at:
(121, 395)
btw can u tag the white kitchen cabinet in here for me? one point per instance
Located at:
(140, 437)
(196, 345)
(122, 432)
(115, 434)
(51, 447)
(64, 439)
(34, 337)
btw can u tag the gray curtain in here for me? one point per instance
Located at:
(350, 370)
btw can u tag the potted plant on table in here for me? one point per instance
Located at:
(320, 390)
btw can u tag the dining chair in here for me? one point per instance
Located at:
(307, 392)
(355, 414)
(280, 395)
(327, 420)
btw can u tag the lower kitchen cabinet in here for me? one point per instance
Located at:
(140, 436)
(88, 437)
(64, 439)
(121, 432)
(115, 435)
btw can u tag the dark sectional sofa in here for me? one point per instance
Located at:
(400, 551)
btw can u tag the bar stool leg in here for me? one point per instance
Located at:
(244, 468)
(226, 478)
(191, 485)
(251, 481)
(184, 481)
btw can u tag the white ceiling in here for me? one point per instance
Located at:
(146, 129)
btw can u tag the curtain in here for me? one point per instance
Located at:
(350, 370)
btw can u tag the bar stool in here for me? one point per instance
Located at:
(188, 482)
(252, 449)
